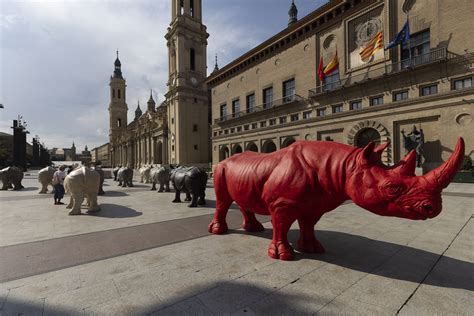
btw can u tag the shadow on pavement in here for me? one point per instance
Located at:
(28, 189)
(384, 258)
(115, 211)
(114, 193)
(213, 298)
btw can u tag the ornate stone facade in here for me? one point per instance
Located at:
(178, 130)
(271, 96)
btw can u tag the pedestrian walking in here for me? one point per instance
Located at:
(58, 184)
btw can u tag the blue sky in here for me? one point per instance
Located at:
(56, 57)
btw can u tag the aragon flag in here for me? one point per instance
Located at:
(333, 65)
(374, 45)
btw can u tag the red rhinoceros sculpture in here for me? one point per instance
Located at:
(309, 178)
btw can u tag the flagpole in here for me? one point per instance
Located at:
(409, 41)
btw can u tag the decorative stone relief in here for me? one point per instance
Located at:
(463, 119)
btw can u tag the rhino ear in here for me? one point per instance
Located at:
(365, 155)
(380, 148)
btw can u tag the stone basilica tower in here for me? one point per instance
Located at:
(187, 97)
(117, 109)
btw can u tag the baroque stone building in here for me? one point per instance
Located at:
(177, 131)
(272, 95)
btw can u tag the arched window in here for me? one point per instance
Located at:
(118, 93)
(119, 122)
(367, 135)
(113, 93)
(181, 7)
(192, 59)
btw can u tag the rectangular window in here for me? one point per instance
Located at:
(306, 115)
(195, 147)
(282, 120)
(239, 129)
(267, 97)
(463, 83)
(223, 112)
(191, 8)
(356, 105)
(232, 130)
(118, 93)
(263, 124)
(400, 95)
(113, 93)
(332, 81)
(288, 90)
(246, 127)
(236, 108)
(215, 134)
(321, 112)
(192, 59)
(254, 125)
(226, 132)
(378, 100)
(417, 51)
(195, 128)
(337, 108)
(273, 122)
(250, 103)
(428, 90)
(294, 117)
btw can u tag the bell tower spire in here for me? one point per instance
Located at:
(187, 97)
(117, 106)
(292, 13)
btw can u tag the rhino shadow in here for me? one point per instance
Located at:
(115, 211)
(115, 193)
(385, 259)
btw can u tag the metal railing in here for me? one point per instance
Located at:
(435, 55)
(266, 106)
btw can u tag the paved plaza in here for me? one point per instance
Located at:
(143, 254)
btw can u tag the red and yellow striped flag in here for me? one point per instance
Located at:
(374, 45)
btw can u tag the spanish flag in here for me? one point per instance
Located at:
(321, 69)
(332, 66)
(374, 45)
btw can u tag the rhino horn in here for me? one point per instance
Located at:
(407, 165)
(442, 175)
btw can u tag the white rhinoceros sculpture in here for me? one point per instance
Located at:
(82, 183)
(45, 177)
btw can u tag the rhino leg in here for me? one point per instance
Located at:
(119, 183)
(153, 186)
(5, 186)
(307, 241)
(78, 198)
(44, 188)
(162, 187)
(251, 224)
(130, 183)
(188, 197)
(17, 186)
(194, 200)
(71, 203)
(202, 200)
(177, 199)
(93, 206)
(167, 187)
(282, 219)
(101, 191)
(223, 202)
